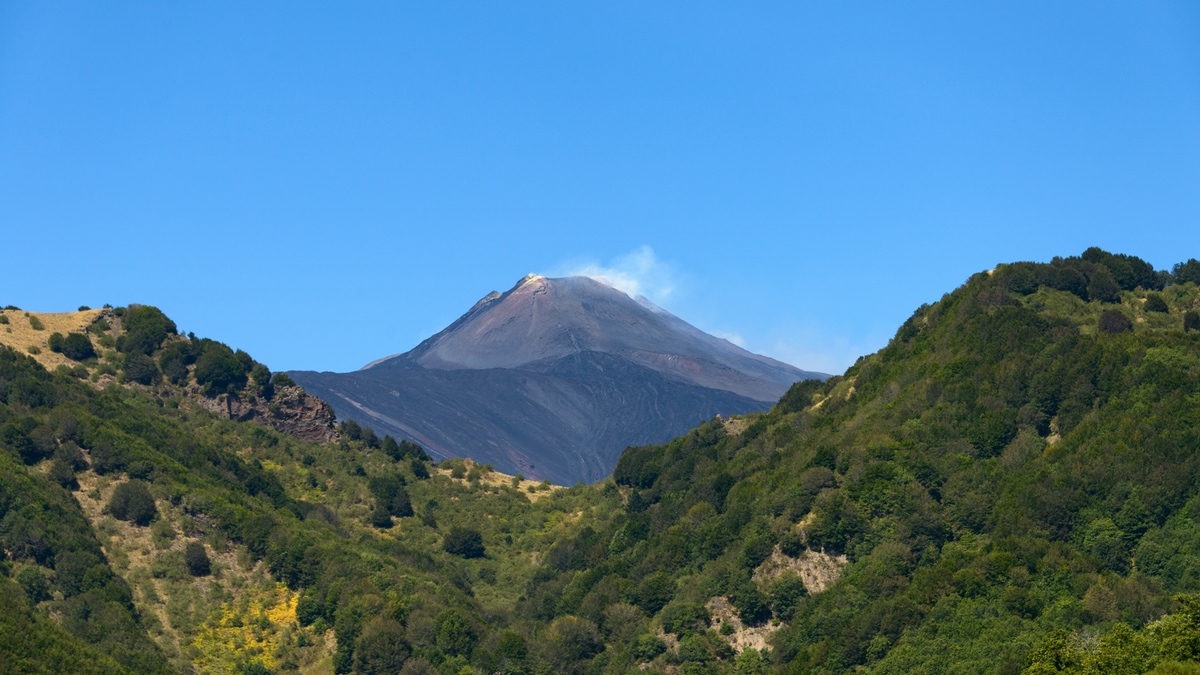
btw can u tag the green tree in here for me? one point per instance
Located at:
(77, 347)
(1191, 321)
(463, 542)
(140, 368)
(196, 559)
(381, 649)
(1155, 303)
(1114, 321)
(218, 369)
(145, 329)
(131, 501)
(454, 634)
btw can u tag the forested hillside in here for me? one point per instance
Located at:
(1012, 484)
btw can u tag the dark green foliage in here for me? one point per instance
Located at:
(132, 501)
(140, 368)
(1114, 321)
(1155, 303)
(260, 375)
(280, 380)
(196, 559)
(381, 518)
(55, 342)
(418, 468)
(1191, 321)
(218, 369)
(798, 396)
(33, 582)
(1102, 287)
(1187, 272)
(176, 357)
(572, 639)
(512, 646)
(390, 495)
(381, 648)
(454, 633)
(145, 329)
(685, 617)
(463, 542)
(786, 595)
(350, 430)
(77, 347)
(647, 647)
(63, 474)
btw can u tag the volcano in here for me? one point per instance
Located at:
(553, 379)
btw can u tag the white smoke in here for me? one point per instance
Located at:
(638, 273)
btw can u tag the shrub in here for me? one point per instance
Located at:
(1103, 287)
(218, 369)
(1191, 321)
(34, 349)
(380, 517)
(77, 347)
(1114, 321)
(1155, 303)
(454, 634)
(463, 542)
(419, 469)
(55, 342)
(34, 583)
(140, 368)
(279, 380)
(196, 559)
(1189, 271)
(261, 376)
(381, 649)
(574, 639)
(131, 501)
(145, 329)
(391, 496)
(685, 617)
(3, 319)
(63, 474)
(36, 323)
(646, 648)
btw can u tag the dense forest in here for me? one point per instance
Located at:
(1010, 485)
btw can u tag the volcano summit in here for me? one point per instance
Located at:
(553, 379)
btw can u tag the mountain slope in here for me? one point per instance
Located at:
(553, 379)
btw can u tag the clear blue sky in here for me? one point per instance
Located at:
(323, 184)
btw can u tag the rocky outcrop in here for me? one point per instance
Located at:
(291, 411)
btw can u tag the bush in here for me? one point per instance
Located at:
(36, 323)
(1186, 272)
(1155, 303)
(77, 347)
(34, 349)
(380, 517)
(196, 559)
(131, 501)
(218, 369)
(140, 368)
(685, 617)
(145, 329)
(55, 342)
(280, 380)
(1191, 321)
(463, 542)
(574, 639)
(1103, 287)
(391, 496)
(381, 649)
(34, 583)
(419, 469)
(454, 633)
(1114, 321)
(4, 320)
(646, 648)
(63, 474)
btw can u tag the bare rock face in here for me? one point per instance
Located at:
(291, 411)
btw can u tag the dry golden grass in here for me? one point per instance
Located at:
(19, 334)
(495, 478)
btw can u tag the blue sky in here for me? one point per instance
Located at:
(325, 184)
